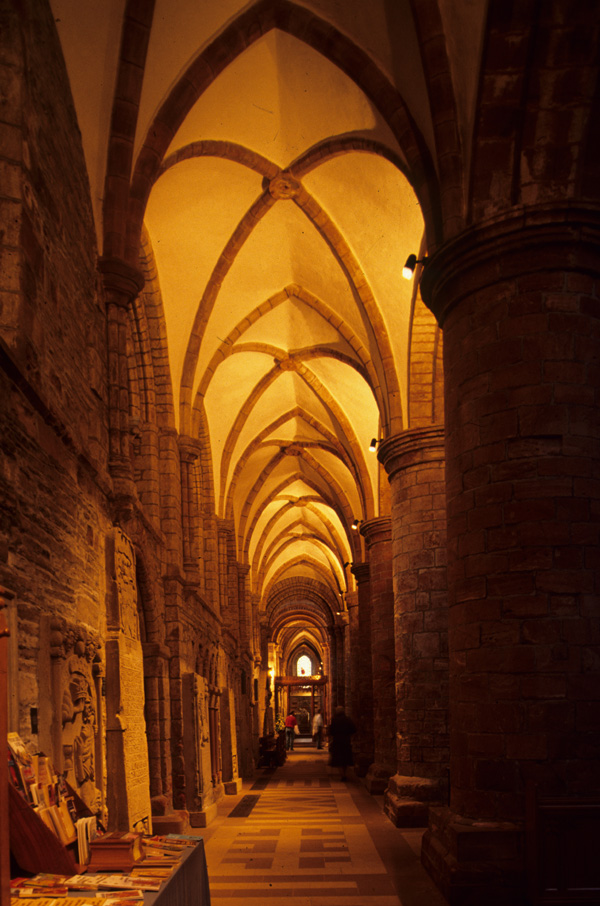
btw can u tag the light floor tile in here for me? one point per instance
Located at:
(310, 840)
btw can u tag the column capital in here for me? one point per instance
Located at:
(376, 531)
(189, 447)
(412, 448)
(121, 281)
(361, 572)
(351, 600)
(530, 240)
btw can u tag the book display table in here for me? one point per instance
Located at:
(187, 886)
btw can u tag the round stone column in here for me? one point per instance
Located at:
(414, 462)
(378, 538)
(362, 743)
(519, 303)
(352, 654)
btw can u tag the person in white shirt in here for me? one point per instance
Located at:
(317, 730)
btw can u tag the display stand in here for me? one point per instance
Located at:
(4, 792)
(188, 885)
(34, 846)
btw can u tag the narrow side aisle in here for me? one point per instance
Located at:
(298, 831)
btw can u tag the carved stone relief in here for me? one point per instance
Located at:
(128, 785)
(126, 585)
(197, 754)
(76, 675)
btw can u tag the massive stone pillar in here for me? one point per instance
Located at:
(338, 661)
(414, 461)
(519, 304)
(352, 656)
(245, 615)
(378, 537)
(244, 709)
(189, 452)
(334, 679)
(158, 718)
(363, 741)
(122, 283)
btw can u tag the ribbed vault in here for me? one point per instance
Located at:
(269, 176)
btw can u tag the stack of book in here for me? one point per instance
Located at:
(127, 883)
(34, 778)
(86, 832)
(49, 889)
(116, 851)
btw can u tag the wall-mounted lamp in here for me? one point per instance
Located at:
(356, 523)
(373, 444)
(347, 563)
(409, 268)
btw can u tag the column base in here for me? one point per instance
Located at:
(204, 817)
(407, 800)
(377, 779)
(362, 764)
(233, 787)
(474, 862)
(175, 823)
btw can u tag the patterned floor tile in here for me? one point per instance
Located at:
(300, 835)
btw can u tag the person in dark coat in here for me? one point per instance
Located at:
(341, 730)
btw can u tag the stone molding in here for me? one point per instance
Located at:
(412, 448)
(121, 280)
(190, 448)
(376, 531)
(542, 239)
(361, 572)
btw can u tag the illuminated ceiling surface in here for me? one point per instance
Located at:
(278, 226)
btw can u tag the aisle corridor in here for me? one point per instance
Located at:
(299, 831)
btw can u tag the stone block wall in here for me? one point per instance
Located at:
(53, 480)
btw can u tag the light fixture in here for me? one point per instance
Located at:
(373, 444)
(355, 524)
(409, 268)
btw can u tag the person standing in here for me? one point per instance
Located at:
(317, 730)
(290, 725)
(341, 730)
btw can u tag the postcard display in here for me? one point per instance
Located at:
(42, 812)
(127, 748)
(121, 868)
(168, 870)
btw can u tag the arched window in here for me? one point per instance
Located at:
(303, 666)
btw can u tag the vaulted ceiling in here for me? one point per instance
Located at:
(267, 165)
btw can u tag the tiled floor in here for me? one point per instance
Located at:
(310, 836)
